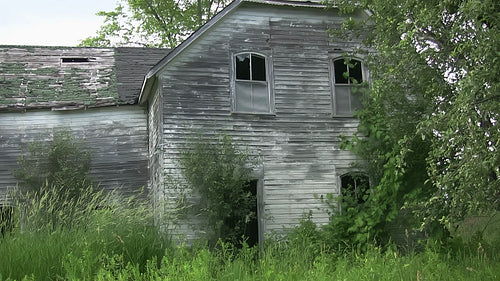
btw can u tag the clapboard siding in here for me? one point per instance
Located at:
(299, 143)
(116, 137)
(155, 125)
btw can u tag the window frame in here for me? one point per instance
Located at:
(268, 82)
(333, 85)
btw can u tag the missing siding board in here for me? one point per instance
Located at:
(77, 60)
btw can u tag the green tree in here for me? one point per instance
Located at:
(430, 131)
(153, 23)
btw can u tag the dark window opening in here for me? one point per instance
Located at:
(355, 186)
(6, 223)
(76, 60)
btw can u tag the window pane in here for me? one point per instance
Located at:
(243, 67)
(355, 71)
(258, 68)
(260, 98)
(342, 100)
(243, 97)
(251, 97)
(356, 95)
(340, 69)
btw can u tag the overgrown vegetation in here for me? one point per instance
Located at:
(114, 238)
(116, 246)
(429, 128)
(63, 227)
(219, 173)
(62, 162)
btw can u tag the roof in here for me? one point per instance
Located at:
(150, 76)
(132, 64)
(65, 78)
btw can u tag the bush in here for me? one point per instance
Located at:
(59, 163)
(220, 173)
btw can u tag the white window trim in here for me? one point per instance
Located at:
(333, 85)
(269, 81)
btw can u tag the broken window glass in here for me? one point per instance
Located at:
(252, 93)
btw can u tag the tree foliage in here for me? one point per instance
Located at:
(429, 129)
(152, 23)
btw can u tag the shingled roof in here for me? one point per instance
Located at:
(65, 78)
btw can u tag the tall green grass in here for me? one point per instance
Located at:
(108, 237)
(280, 262)
(60, 237)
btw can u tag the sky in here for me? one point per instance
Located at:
(50, 22)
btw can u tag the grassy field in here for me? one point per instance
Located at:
(120, 242)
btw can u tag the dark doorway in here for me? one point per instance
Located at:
(355, 184)
(252, 225)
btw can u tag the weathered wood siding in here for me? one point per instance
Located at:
(299, 144)
(116, 137)
(155, 129)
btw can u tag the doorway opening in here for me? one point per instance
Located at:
(252, 224)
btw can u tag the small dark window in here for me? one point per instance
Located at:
(355, 186)
(76, 60)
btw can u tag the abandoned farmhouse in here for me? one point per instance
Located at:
(265, 72)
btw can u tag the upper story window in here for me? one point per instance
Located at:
(251, 83)
(348, 74)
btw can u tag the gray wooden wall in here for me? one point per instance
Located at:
(116, 137)
(299, 144)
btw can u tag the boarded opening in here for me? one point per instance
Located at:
(252, 226)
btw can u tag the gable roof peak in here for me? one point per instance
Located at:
(149, 77)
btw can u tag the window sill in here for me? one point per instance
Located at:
(253, 113)
(345, 116)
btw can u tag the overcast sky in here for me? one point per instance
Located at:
(50, 22)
